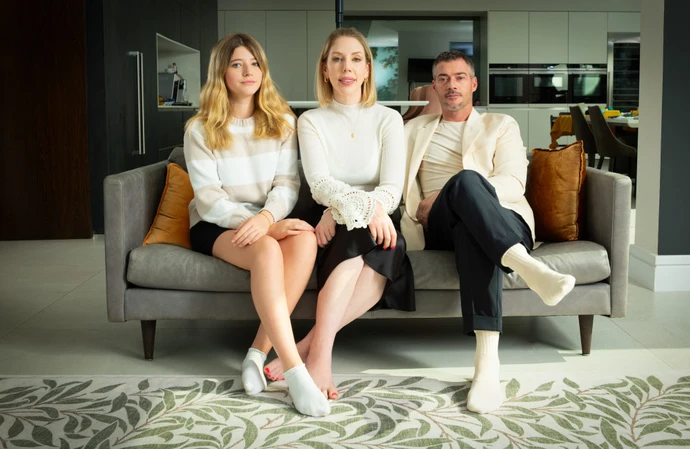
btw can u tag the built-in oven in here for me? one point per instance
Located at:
(548, 84)
(508, 83)
(587, 83)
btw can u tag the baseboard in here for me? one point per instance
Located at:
(659, 273)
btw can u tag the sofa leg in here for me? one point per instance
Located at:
(586, 325)
(148, 334)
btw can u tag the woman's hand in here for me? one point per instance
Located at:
(382, 229)
(288, 227)
(252, 230)
(325, 230)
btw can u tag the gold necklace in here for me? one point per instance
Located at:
(347, 124)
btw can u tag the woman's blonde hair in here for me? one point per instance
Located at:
(215, 103)
(324, 89)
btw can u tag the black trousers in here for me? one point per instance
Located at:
(468, 219)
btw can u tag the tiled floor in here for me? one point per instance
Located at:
(53, 321)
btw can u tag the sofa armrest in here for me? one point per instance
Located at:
(131, 201)
(608, 223)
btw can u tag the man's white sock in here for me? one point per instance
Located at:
(485, 394)
(550, 285)
(252, 372)
(306, 396)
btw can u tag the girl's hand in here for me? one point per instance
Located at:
(288, 227)
(252, 230)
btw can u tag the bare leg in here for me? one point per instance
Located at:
(331, 309)
(368, 291)
(299, 254)
(264, 260)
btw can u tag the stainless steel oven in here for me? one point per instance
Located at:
(587, 83)
(508, 84)
(548, 84)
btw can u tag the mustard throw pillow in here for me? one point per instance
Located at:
(171, 224)
(556, 192)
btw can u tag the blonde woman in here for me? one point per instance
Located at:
(241, 153)
(353, 153)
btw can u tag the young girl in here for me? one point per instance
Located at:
(241, 153)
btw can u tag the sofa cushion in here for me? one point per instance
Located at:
(587, 261)
(555, 191)
(174, 268)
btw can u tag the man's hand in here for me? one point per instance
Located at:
(325, 230)
(288, 227)
(424, 208)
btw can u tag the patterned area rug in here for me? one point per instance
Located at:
(374, 411)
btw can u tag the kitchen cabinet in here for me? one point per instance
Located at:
(248, 22)
(508, 37)
(286, 49)
(540, 127)
(623, 22)
(128, 131)
(587, 37)
(319, 26)
(548, 37)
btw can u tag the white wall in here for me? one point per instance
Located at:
(649, 139)
(422, 44)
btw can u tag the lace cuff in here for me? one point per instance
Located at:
(350, 207)
(387, 198)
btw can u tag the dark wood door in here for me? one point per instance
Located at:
(44, 175)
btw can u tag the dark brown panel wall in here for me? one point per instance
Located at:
(44, 175)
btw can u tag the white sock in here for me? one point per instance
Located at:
(252, 372)
(485, 394)
(306, 396)
(550, 285)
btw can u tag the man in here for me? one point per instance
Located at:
(465, 192)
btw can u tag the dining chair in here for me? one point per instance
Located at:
(609, 146)
(583, 133)
(433, 106)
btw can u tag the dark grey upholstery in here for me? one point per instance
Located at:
(168, 282)
(583, 133)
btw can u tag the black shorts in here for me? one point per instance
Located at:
(203, 236)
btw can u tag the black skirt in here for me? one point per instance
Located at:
(394, 264)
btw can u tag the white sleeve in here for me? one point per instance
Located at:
(349, 206)
(285, 188)
(212, 202)
(393, 161)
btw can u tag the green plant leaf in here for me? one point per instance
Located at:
(387, 426)
(513, 427)
(571, 384)
(14, 396)
(208, 386)
(424, 428)
(42, 435)
(316, 444)
(564, 423)
(15, 429)
(423, 442)
(101, 436)
(640, 383)
(462, 431)
(655, 382)
(545, 387)
(106, 389)
(405, 434)
(250, 433)
(224, 386)
(637, 392)
(408, 381)
(556, 402)
(363, 430)
(359, 386)
(667, 443)
(74, 390)
(656, 427)
(119, 402)
(132, 416)
(50, 383)
(202, 414)
(623, 406)
(64, 444)
(313, 434)
(673, 431)
(512, 388)
(610, 434)
(50, 411)
(24, 443)
(549, 433)
(143, 385)
(145, 404)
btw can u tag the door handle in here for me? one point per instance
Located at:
(141, 119)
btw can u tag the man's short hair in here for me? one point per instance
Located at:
(452, 55)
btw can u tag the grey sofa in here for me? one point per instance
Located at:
(167, 282)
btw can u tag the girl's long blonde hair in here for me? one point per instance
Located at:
(324, 89)
(215, 104)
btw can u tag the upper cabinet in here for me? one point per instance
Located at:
(548, 37)
(286, 50)
(248, 22)
(319, 26)
(624, 22)
(508, 37)
(587, 35)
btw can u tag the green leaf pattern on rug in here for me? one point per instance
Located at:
(373, 411)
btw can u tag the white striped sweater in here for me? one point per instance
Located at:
(232, 185)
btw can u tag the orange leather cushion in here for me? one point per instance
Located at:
(556, 192)
(171, 224)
